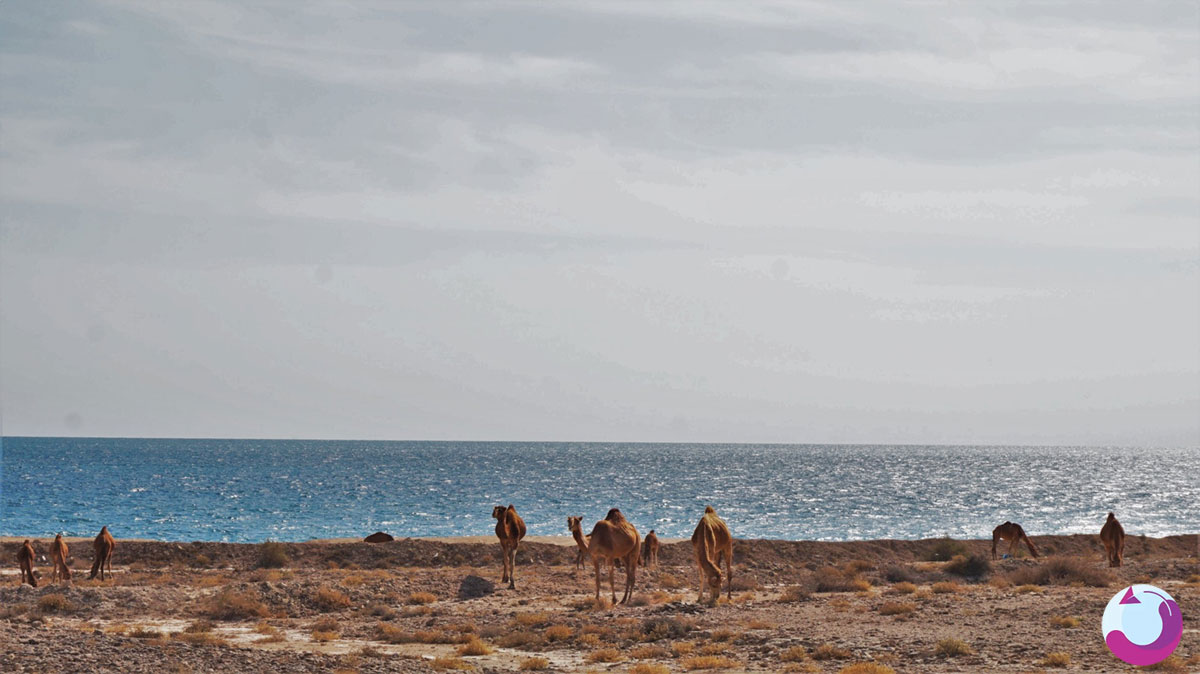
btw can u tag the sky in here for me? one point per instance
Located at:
(612, 221)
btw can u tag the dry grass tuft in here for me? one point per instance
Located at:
(950, 648)
(830, 652)
(902, 588)
(1173, 663)
(54, 603)
(795, 593)
(946, 588)
(605, 655)
(559, 633)
(649, 653)
(945, 549)
(234, 605)
(531, 619)
(682, 648)
(320, 636)
(199, 639)
(329, 599)
(1026, 589)
(794, 654)
(649, 668)
(708, 662)
(1063, 571)
(534, 664)
(474, 646)
(866, 668)
(896, 608)
(421, 598)
(450, 663)
(272, 555)
(1056, 659)
(969, 566)
(669, 582)
(1064, 622)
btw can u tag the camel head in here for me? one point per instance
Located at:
(614, 516)
(708, 510)
(498, 512)
(714, 584)
(1111, 517)
(573, 523)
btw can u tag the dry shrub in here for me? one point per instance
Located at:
(949, 587)
(649, 668)
(1056, 659)
(199, 639)
(534, 664)
(794, 654)
(682, 648)
(902, 588)
(589, 640)
(830, 652)
(896, 573)
(378, 610)
(264, 627)
(759, 624)
(1063, 571)
(805, 667)
(54, 603)
(1173, 663)
(723, 634)
(896, 608)
(1000, 583)
(860, 585)
(421, 598)
(649, 652)
(474, 646)
(795, 593)
(321, 636)
(950, 648)
(866, 668)
(199, 626)
(144, 633)
(605, 655)
(654, 629)
(329, 599)
(668, 581)
(450, 663)
(831, 579)
(233, 605)
(558, 633)
(1064, 622)
(1026, 589)
(272, 555)
(531, 619)
(945, 549)
(708, 662)
(713, 649)
(972, 566)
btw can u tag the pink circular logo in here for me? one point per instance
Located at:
(1142, 625)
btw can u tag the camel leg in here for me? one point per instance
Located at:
(993, 548)
(596, 564)
(703, 581)
(612, 582)
(1120, 551)
(512, 570)
(728, 554)
(630, 578)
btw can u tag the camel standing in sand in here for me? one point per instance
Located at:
(58, 557)
(613, 538)
(1014, 534)
(650, 550)
(1112, 535)
(510, 528)
(25, 557)
(103, 548)
(581, 551)
(711, 541)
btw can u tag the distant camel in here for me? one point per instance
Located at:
(1112, 535)
(711, 541)
(613, 538)
(650, 550)
(1014, 534)
(510, 528)
(58, 557)
(25, 557)
(103, 547)
(581, 551)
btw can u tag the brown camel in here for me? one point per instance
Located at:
(650, 550)
(581, 551)
(103, 547)
(613, 538)
(1014, 534)
(25, 557)
(711, 541)
(510, 528)
(58, 557)
(1112, 535)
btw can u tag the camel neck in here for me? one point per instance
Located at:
(578, 536)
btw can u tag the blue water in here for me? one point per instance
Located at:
(251, 490)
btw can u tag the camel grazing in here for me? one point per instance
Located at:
(1014, 534)
(711, 541)
(510, 528)
(25, 557)
(103, 547)
(58, 557)
(1112, 535)
(613, 538)
(650, 550)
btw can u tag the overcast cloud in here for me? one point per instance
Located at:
(726, 221)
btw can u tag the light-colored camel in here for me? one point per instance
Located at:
(103, 550)
(711, 541)
(58, 557)
(1014, 534)
(510, 529)
(650, 550)
(1112, 535)
(613, 538)
(581, 551)
(25, 557)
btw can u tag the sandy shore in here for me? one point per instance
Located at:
(418, 605)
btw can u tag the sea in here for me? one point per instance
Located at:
(296, 490)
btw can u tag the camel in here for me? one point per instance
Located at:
(613, 538)
(1014, 534)
(711, 541)
(25, 557)
(650, 550)
(510, 528)
(1112, 535)
(581, 551)
(103, 546)
(58, 557)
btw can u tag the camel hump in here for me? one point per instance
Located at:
(709, 510)
(1112, 516)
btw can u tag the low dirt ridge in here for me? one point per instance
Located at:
(418, 605)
